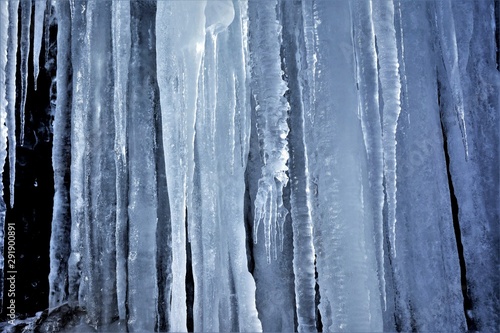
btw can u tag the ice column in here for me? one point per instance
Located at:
(368, 108)
(391, 93)
(180, 38)
(268, 89)
(295, 59)
(121, 40)
(342, 211)
(143, 203)
(10, 86)
(37, 38)
(61, 220)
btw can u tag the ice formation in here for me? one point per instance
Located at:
(245, 165)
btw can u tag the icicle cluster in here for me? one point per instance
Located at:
(184, 131)
(271, 120)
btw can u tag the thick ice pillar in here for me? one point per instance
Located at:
(342, 210)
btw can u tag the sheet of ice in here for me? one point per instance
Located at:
(369, 112)
(447, 32)
(476, 178)
(427, 273)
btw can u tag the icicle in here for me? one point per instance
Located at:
(50, 16)
(236, 50)
(368, 85)
(180, 40)
(272, 114)
(61, 222)
(448, 40)
(4, 29)
(121, 56)
(25, 49)
(37, 43)
(300, 176)
(10, 84)
(391, 93)
(142, 288)
(77, 278)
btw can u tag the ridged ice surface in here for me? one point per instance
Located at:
(240, 165)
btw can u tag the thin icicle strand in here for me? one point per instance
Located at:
(37, 39)
(391, 93)
(25, 49)
(121, 58)
(10, 72)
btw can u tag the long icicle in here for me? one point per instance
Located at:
(272, 114)
(25, 50)
(391, 93)
(10, 84)
(121, 57)
(37, 38)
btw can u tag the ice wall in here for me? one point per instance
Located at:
(275, 165)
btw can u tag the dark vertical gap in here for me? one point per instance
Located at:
(471, 324)
(189, 281)
(248, 226)
(248, 210)
(164, 227)
(234, 323)
(317, 298)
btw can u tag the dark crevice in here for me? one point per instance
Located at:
(189, 282)
(471, 324)
(317, 299)
(164, 230)
(252, 159)
(248, 228)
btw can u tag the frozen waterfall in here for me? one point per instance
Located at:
(250, 165)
